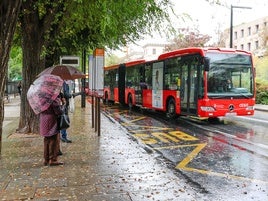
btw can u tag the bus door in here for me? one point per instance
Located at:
(121, 83)
(147, 87)
(157, 85)
(111, 86)
(141, 80)
(112, 81)
(189, 88)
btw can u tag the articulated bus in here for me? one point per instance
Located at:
(202, 82)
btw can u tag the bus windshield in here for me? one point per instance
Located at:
(230, 76)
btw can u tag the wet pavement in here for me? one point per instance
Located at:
(223, 160)
(110, 167)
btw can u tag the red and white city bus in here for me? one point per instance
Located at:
(203, 82)
(114, 81)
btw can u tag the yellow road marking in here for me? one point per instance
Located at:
(145, 138)
(134, 120)
(190, 156)
(183, 136)
(148, 128)
(225, 175)
(182, 165)
(120, 112)
(164, 137)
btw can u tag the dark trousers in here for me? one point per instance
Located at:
(51, 147)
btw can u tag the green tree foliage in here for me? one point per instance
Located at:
(53, 28)
(261, 65)
(15, 64)
(89, 24)
(112, 60)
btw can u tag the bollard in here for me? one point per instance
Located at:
(92, 110)
(96, 114)
(98, 120)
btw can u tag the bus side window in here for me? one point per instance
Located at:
(167, 81)
(148, 76)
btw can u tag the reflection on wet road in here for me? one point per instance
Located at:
(224, 158)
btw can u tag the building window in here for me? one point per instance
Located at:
(242, 33)
(249, 31)
(257, 28)
(235, 35)
(154, 51)
(242, 47)
(249, 46)
(265, 24)
(256, 44)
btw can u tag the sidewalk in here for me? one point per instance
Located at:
(111, 167)
(261, 107)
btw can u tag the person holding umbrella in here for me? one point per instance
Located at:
(66, 72)
(43, 97)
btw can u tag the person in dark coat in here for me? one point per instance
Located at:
(19, 87)
(66, 96)
(49, 130)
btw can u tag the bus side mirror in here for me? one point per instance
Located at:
(206, 63)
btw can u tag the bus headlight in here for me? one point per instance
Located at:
(250, 108)
(207, 109)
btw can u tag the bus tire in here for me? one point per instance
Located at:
(130, 102)
(213, 120)
(106, 101)
(171, 109)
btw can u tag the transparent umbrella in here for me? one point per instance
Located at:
(43, 92)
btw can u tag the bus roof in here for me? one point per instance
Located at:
(181, 52)
(132, 63)
(127, 64)
(111, 67)
(200, 50)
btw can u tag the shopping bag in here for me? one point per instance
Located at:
(63, 121)
(71, 104)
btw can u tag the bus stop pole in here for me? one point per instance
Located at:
(83, 97)
(96, 114)
(92, 110)
(98, 120)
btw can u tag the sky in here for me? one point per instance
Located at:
(210, 18)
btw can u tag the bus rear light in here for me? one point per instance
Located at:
(207, 109)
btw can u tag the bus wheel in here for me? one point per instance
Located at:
(106, 101)
(130, 103)
(213, 120)
(171, 109)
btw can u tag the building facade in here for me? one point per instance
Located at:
(153, 50)
(251, 36)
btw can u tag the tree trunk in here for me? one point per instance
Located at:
(32, 41)
(34, 26)
(9, 11)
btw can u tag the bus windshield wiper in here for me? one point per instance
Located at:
(244, 95)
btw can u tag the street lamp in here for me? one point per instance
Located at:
(231, 26)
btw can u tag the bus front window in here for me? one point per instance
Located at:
(230, 75)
